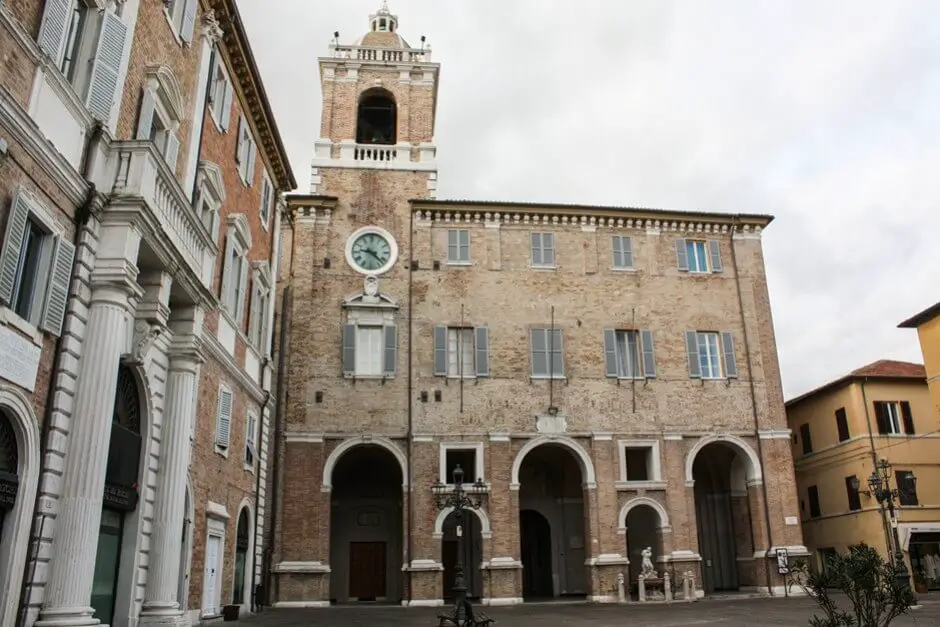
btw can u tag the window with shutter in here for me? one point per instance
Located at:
(696, 255)
(56, 27)
(623, 252)
(235, 267)
(267, 199)
(251, 435)
(889, 417)
(458, 246)
(546, 350)
(106, 68)
(224, 421)
(907, 487)
(543, 250)
(623, 354)
(814, 510)
(160, 113)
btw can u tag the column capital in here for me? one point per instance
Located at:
(114, 281)
(145, 334)
(185, 353)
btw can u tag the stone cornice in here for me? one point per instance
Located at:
(310, 207)
(526, 214)
(241, 61)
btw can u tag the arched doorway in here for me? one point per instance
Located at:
(723, 516)
(240, 588)
(377, 118)
(120, 492)
(366, 525)
(551, 486)
(472, 554)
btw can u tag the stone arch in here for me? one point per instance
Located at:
(164, 81)
(377, 117)
(361, 440)
(486, 531)
(639, 501)
(16, 406)
(588, 478)
(752, 469)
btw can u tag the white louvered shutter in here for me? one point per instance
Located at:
(145, 116)
(102, 86)
(189, 20)
(224, 428)
(12, 246)
(55, 26)
(171, 154)
(57, 294)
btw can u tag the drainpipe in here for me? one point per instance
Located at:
(760, 445)
(82, 215)
(202, 127)
(254, 571)
(410, 387)
(874, 463)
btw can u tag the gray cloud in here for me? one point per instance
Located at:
(824, 114)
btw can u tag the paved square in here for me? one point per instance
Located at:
(734, 613)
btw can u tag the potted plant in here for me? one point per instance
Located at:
(920, 581)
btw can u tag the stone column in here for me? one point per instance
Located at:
(113, 285)
(160, 603)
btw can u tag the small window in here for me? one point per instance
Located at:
(461, 352)
(698, 256)
(855, 500)
(182, 14)
(711, 355)
(547, 353)
(251, 434)
(814, 511)
(629, 354)
(543, 250)
(466, 459)
(638, 463)
(260, 301)
(807, 440)
(246, 153)
(369, 350)
(623, 252)
(220, 93)
(894, 418)
(842, 424)
(223, 431)
(235, 268)
(458, 246)
(267, 199)
(907, 487)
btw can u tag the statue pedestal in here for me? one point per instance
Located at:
(652, 588)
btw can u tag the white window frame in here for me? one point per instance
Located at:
(258, 322)
(653, 465)
(361, 331)
(541, 263)
(625, 253)
(636, 357)
(455, 248)
(366, 318)
(251, 435)
(221, 449)
(246, 152)
(895, 418)
(161, 101)
(210, 196)
(550, 349)
(718, 363)
(479, 465)
(453, 344)
(53, 236)
(238, 242)
(267, 201)
(177, 12)
(221, 93)
(698, 256)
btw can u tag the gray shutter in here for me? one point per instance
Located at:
(252, 153)
(610, 347)
(224, 431)
(12, 246)
(57, 295)
(242, 284)
(227, 272)
(440, 351)
(55, 25)
(453, 248)
(714, 250)
(145, 117)
(649, 354)
(216, 58)
(618, 252)
(189, 20)
(627, 244)
(226, 103)
(557, 348)
(103, 83)
(254, 318)
(171, 154)
(349, 349)
(682, 255)
(731, 364)
(691, 347)
(483, 351)
(536, 244)
(241, 140)
(391, 348)
(548, 249)
(463, 241)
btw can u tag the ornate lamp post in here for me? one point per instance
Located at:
(879, 484)
(460, 498)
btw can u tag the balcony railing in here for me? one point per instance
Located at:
(143, 175)
(385, 55)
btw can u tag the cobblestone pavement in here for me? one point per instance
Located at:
(733, 613)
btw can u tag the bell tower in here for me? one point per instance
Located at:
(379, 105)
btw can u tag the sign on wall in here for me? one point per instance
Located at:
(19, 359)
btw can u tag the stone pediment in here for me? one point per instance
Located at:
(370, 297)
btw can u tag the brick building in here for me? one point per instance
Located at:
(609, 373)
(141, 173)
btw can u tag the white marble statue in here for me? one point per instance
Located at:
(648, 571)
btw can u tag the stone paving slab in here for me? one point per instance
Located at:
(729, 613)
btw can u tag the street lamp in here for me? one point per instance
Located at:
(459, 498)
(879, 484)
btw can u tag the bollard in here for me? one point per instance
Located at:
(641, 586)
(621, 595)
(667, 587)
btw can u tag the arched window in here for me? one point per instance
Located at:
(124, 450)
(377, 122)
(241, 558)
(9, 467)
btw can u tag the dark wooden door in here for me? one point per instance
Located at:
(536, 537)
(716, 541)
(367, 570)
(449, 559)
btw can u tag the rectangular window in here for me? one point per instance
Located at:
(855, 501)
(251, 434)
(543, 250)
(369, 351)
(236, 266)
(842, 424)
(638, 462)
(246, 152)
(708, 356)
(711, 355)
(547, 353)
(182, 14)
(814, 511)
(807, 440)
(827, 558)
(223, 431)
(466, 459)
(698, 256)
(77, 21)
(894, 417)
(220, 94)
(267, 198)
(629, 354)
(461, 352)
(623, 252)
(29, 285)
(458, 246)
(907, 488)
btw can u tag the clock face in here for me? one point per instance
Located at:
(371, 251)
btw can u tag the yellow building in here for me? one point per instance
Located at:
(840, 432)
(927, 324)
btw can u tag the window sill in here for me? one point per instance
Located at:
(459, 264)
(221, 451)
(536, 267)
(215, 119)
(11, 318)
(629, 270)
(457, 377)
(250, 468)
(368, 377)
(545, 377)
(640, 485)
(638, 377)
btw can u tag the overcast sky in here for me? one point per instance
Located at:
(826, 115)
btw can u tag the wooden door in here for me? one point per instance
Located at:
(449, 560)
(367, 570)
(536, 540)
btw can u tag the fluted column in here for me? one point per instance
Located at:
(161, 605)
(68, 592)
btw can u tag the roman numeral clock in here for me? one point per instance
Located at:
(371, 251)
